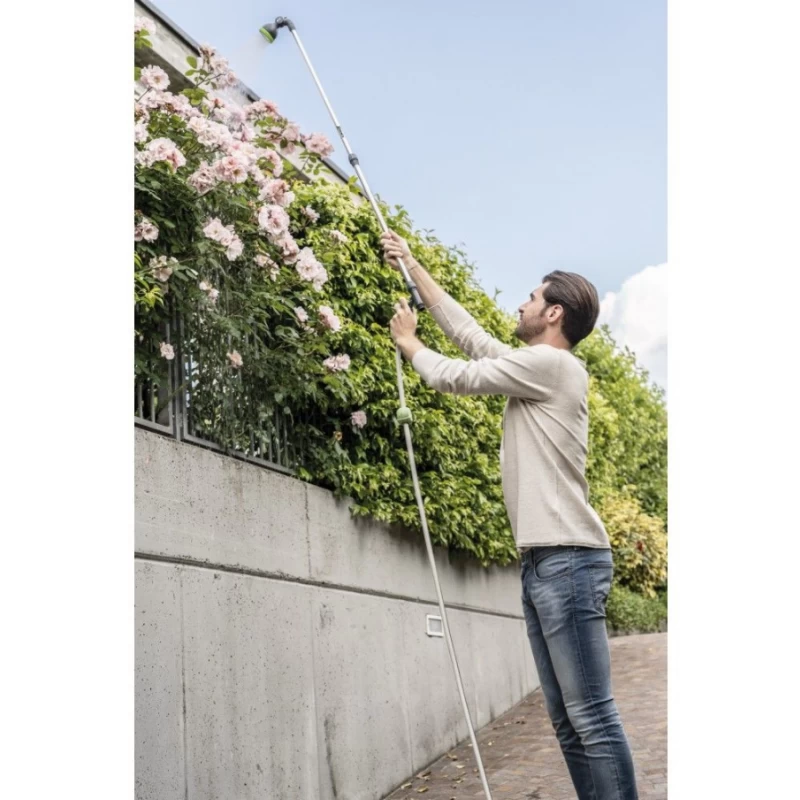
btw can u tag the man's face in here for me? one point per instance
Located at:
(532, 322)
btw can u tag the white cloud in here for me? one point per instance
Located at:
(637, 316)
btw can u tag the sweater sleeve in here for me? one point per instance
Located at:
(464, 332)
(529, 372)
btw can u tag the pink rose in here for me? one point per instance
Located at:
(235, 249)
(262, 108)
(144, 24)
(161, 149)
(329, 319)
(276, 192)
(154, 78)
(162, 268)
(231, 169)
(337, 363)
(318, 143)
(291, 132)
(289, 247)
(203, 179)
(358, 419)
(215, 230)
(320, 279)
(274, 220)
(307, 265)
(210, 291)
(275, 161)
(210, 133)
(178, 104)
(301, 313)
(145, 230)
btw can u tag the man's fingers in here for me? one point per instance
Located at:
(392, 245)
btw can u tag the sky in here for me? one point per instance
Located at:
(530, 132)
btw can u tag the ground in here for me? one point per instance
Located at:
(520, 753)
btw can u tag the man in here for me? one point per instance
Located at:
(566, 564)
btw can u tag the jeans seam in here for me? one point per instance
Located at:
(594, 588)
(587, 690)
(592, 568)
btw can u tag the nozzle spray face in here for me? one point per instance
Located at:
(269, 32)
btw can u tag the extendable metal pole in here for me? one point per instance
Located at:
(283, 22)
(353, 158)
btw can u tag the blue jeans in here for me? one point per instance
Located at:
(564, 593)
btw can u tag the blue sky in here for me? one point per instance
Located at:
(533, 133)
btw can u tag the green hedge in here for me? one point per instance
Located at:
(630, 612)
(253, 358)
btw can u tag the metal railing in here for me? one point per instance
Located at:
(154, 397)
(167, 404)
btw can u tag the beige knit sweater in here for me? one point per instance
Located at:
(545, 426)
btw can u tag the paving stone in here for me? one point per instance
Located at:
(524, 761)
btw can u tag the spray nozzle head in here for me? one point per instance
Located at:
(270, 30)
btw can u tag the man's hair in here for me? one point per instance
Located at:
(579, 300)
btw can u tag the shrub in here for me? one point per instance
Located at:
(639, 543)
(629, 612)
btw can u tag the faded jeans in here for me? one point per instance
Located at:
(564, 593)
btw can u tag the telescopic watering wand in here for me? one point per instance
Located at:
(270, 33)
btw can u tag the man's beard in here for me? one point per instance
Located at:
(531, 328)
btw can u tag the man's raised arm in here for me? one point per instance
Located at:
(457, 323)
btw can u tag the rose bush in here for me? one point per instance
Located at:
(221, 244)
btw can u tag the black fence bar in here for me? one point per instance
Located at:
(165, 405)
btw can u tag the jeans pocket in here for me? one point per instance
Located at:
(553, 565)
(602, 575)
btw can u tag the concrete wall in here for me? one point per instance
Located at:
(281, 646)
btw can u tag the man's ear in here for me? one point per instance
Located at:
(554, 313)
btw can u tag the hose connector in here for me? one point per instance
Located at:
(404, 415)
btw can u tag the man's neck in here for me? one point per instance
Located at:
(556, 340)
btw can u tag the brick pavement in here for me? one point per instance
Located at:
(521, 754)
